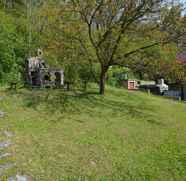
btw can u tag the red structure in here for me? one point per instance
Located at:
(130, 84)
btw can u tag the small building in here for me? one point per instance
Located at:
(130, 84)
(39, 74)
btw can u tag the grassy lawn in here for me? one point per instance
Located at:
(121, 136)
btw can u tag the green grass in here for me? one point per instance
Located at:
(71, 136)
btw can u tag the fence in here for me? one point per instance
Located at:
(173, 94)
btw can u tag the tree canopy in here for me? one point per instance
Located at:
(144, 35)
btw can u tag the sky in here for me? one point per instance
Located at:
(183, 1)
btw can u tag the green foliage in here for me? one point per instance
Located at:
(58, 29)
(79, 75)
(89, 72)
(117, 74)
(12, 47)
(71, 73)
(156, 62)
(14, 76)
(85, 72)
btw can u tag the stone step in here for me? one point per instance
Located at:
(5, 167)
(20, 178)
(2, 114)
(5, 144)
(4, 155)
(8, 133)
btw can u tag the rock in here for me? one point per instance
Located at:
(5, 167)
(93, 163)
(5, 144)
(20, 178)
(2, 114)
(8, 134)
(4, 155)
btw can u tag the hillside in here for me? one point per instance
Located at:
(120, 136)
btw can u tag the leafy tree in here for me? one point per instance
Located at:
(87, 73)
(117, 74)
(71, 75)
(11, 45)
(119, 29)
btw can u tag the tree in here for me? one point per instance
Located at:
(87, 73)
(112, 25)
(12, 45)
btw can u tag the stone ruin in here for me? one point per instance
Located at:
(39, 74)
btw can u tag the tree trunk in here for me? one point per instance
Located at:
(85, 85)
(102, 80)
(68, 86)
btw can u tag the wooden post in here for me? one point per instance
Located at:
(148, 91)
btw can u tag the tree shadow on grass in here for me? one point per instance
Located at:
(87, 102)
(52, 100)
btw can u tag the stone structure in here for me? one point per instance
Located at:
(39, 74)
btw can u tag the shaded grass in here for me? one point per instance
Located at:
(76, 136)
